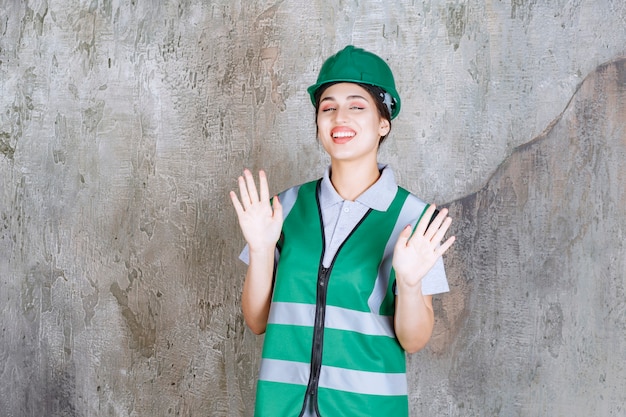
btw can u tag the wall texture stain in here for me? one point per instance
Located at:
(123, 126)
(455, 23)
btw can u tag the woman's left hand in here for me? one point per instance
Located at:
(415, 255)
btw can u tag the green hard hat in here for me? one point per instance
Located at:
(357, 65)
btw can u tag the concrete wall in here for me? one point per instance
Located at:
(124, 124)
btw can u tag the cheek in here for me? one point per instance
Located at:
(320, 124)
(318, 132)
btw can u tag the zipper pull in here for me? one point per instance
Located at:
(322, 276)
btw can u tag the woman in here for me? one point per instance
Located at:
(341, 271)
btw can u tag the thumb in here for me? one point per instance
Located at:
(404, 236)
(277, 207)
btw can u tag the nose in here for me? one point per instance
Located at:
(341, 114)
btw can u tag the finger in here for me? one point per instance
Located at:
(439, 233)
(446, 245)
(265, 193)
(404, 236)
(278, 208)
(254, 195)
(243, 192)
(423, 223)
(436, 225)
(236, 203)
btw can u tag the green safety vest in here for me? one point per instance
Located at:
(330, 335)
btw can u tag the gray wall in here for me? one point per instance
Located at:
(123, 126)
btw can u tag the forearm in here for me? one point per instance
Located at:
(257, 289)
(414, 317)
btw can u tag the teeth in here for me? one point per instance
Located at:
(343, 134)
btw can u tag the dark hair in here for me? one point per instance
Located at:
(377, 93)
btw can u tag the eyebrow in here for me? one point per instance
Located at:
(350, 97)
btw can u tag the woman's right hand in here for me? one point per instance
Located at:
(260, 220)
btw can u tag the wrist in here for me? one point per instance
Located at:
(262, 247)
(407, 287)
(261, 250)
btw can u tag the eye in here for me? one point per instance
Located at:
(327, 109)
(358, 105)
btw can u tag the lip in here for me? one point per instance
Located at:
(342, 134)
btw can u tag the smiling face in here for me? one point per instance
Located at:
(349, 125)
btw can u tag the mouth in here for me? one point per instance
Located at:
(342, 135)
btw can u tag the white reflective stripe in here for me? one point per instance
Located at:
(295, 314)
(363, 382)
(331, 377)
(298, 314)
(411, 211)
(288, 372)
(359, 321)
(382, 279)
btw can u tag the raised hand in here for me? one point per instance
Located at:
(414, 255)
(259, 219)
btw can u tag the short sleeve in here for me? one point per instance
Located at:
(435, 282)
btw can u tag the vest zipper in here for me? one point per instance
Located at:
(318, 336)
(323, 276)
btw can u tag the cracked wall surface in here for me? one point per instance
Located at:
(535, 322)
(123, 126)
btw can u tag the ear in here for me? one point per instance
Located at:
(385, 126)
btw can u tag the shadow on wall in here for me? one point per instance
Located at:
(536, 317)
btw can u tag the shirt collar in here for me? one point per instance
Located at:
(378, 197)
